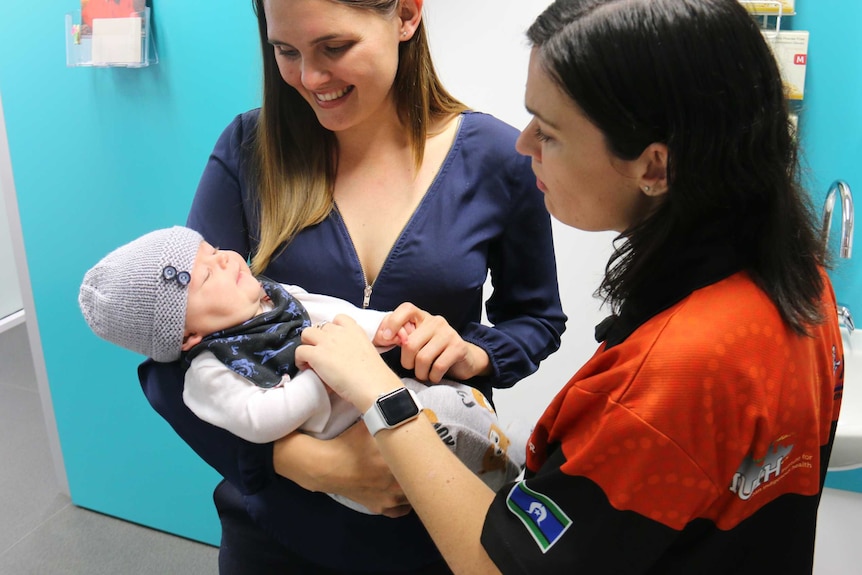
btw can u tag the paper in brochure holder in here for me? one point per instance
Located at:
(770, 7)
(125, 42)
(790, 48)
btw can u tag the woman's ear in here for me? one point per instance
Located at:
(190, 340)
(411, 15)
(653, 179)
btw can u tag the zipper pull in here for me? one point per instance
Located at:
(366, 298)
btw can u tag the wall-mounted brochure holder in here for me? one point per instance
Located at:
(769, 12)
(786, 7)
(790, 47)
(110, 42)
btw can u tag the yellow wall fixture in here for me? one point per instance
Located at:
(785, 7)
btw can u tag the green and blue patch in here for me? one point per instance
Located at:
(543, 518)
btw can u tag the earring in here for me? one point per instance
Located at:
(403, 34)
(647, 188)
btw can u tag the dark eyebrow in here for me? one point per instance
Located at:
(542, 118)
(319, 40)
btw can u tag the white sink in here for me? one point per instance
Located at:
(847, 449)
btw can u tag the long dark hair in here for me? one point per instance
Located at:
(697, 76)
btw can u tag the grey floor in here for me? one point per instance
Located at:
(41, 531)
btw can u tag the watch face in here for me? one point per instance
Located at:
(397, 407)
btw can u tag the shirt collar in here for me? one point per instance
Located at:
(691, 264)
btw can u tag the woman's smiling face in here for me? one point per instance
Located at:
(342, 60)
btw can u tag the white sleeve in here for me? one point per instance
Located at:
(228, 400)
(325, 308)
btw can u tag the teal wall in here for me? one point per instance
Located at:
(831, 118)
(99, 157)
(831, 125)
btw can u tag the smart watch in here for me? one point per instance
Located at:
(391, 410)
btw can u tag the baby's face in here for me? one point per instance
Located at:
(222, 292)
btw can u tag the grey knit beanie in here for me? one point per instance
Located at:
(136, 296)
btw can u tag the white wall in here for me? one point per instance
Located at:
(838, 550)
(10, 292)
(16, 297)
(481, 53)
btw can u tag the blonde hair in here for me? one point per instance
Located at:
(295, 159)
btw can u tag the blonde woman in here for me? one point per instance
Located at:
(361, 177)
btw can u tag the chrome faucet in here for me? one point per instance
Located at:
(845, 318)
(842, 190)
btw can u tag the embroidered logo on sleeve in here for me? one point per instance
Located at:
(543, 518)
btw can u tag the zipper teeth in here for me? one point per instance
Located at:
(366, 291)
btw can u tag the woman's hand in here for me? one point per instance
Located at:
(433, 349)
(349, 465)
(343, 357)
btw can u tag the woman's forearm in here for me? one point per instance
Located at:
(349, 465)
(449, 499)
(296, 456)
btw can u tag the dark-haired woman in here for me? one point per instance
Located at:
(697, 438)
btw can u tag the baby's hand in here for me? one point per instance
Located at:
(433, 349)
(385, 336)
